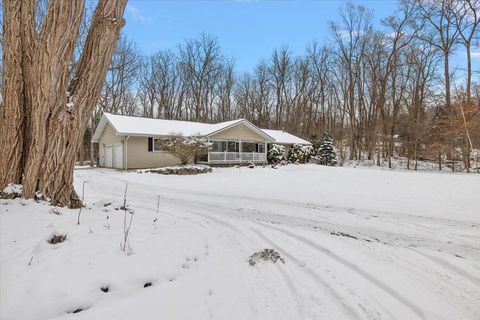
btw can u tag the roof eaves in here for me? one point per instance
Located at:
(249, 124)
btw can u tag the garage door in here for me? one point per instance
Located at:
(118, 159)
(109, 156)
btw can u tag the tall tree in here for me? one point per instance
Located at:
(466, 17)
(47, 108)
(117, 94)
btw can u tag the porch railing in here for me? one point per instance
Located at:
(231, 157)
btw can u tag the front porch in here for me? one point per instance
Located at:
(236, 157)
(236, 152)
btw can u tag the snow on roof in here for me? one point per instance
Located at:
(128, 125)
(284, 137)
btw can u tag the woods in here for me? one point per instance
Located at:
(381, 91)
(49, 93)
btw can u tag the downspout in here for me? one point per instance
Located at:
(126, 153)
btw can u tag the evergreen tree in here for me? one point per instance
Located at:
(316, 139)
(326, 153)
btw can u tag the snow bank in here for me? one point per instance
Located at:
(13, 189)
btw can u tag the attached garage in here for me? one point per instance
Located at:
(113, 155)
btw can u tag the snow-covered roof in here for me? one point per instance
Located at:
(137, 126)
(159, 127)
(283, 137)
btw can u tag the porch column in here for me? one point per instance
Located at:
(266, 152)
(240, 149)
(208, 151)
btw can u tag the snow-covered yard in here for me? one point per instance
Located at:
(358, 244)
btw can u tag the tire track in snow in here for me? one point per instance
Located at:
(200, 205)
(383, 286)
(311, 274)
(386, 218)
(228, 225)
(306, 205)
(288, 283)
(181, 204)
(359, 213)
(205, 205)
(457, 295)
(450, 266)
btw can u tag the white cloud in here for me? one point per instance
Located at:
(474, 53)
(137, 14)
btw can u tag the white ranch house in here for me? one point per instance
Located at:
(131, 142)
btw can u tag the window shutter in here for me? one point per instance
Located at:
(150, 144)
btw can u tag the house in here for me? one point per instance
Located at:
(127, 142)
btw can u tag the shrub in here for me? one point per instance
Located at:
(184, 148)
(300, 153)
(275, 153)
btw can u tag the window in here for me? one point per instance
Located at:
(154, 145)
(222, 146)
(150, 144)
(219, 146)
(261, 147)
(258, 147)
(157, 146)
(232, 146)
(249, 147)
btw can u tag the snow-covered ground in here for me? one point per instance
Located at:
(358, 243)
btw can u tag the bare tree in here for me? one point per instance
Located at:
(351, 40)
(466, 17)
(201, 67)
(117, 94)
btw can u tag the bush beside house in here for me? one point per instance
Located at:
(300, 153)
(275, 153)
(184, 148)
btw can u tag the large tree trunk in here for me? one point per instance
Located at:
(46, 83)
(59, 110)
(16, 17)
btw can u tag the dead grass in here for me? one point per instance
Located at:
(57, 238)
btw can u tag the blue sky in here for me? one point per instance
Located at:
(247, 30)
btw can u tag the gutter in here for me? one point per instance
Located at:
(126, 153)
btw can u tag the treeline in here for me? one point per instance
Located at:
(380, 91)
